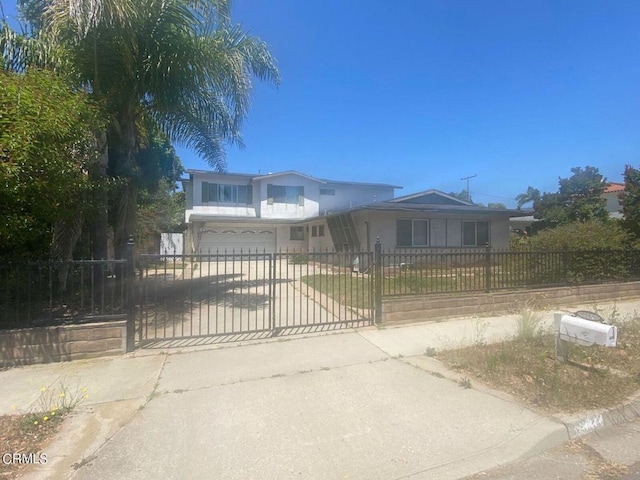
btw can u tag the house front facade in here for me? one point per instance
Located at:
(291, 211)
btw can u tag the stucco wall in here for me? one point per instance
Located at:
(286, 210)
(384, 224)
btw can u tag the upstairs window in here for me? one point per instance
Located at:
(285, 194)
(228, 194)
(330, 192)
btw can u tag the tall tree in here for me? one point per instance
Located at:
(532, 195)
(180, 63)
(578, 199)
(630, 199)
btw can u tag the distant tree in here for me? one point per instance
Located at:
(579, 199)
(160, 205)
(532, 195)
(499, 205)
(630, 199)
(461, 195)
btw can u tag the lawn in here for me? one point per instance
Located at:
(526, 367)
(345, 288)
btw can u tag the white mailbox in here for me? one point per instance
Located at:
(584, 332)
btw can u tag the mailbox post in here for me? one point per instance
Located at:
(572, 329)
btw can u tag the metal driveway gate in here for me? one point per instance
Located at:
(234, 296)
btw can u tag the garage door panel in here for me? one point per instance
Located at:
(253, 240)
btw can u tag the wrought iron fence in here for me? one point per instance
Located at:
(238, 293)
(44, 293)
(488, 269)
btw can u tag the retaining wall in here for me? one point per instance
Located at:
(424, 308)
(61, 343)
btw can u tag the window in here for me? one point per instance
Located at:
(412, 233)
(232, 194)
(330, 192)
(475, 234)
(317, 230)
(296, 233)
(285, 194)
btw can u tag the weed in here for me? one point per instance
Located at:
(430, 352)
(465, 382)
(54, 402)
(529, 324)
(479, 331)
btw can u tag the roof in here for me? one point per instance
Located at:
(260, 176)
(614, 188)
(289, 172)
(435, 208)
(432, 196)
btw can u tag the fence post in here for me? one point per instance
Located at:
(130, 274)
(377, 278)
(487, 268)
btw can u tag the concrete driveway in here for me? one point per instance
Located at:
(330, 406)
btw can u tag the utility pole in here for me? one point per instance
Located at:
(468, 192)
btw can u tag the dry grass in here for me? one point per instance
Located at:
(18, 434)
(526, 367)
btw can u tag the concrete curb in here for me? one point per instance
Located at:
(598, 420)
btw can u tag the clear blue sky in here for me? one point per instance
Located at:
(420, 93)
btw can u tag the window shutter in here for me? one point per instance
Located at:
(249, 194)
(205, 192)
(301, 196)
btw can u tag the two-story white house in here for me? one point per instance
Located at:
(233, 212)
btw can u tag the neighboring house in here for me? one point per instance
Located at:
(611, 195)
(296, 212)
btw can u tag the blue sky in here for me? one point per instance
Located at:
(421, 93)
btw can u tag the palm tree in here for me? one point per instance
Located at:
(180, 63)
(532, 195)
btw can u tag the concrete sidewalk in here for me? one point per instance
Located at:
(352, 404)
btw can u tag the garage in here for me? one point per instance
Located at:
(247, 240)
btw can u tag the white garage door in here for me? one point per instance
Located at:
(249, 240)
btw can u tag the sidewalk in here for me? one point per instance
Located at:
(351, 404)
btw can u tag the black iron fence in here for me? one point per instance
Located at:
(195, 296)
(45, 293)
(488, 269)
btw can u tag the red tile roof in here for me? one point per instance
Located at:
(614, 187)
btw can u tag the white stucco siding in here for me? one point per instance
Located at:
(444, 231)
(310, 207)
(319, 243)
